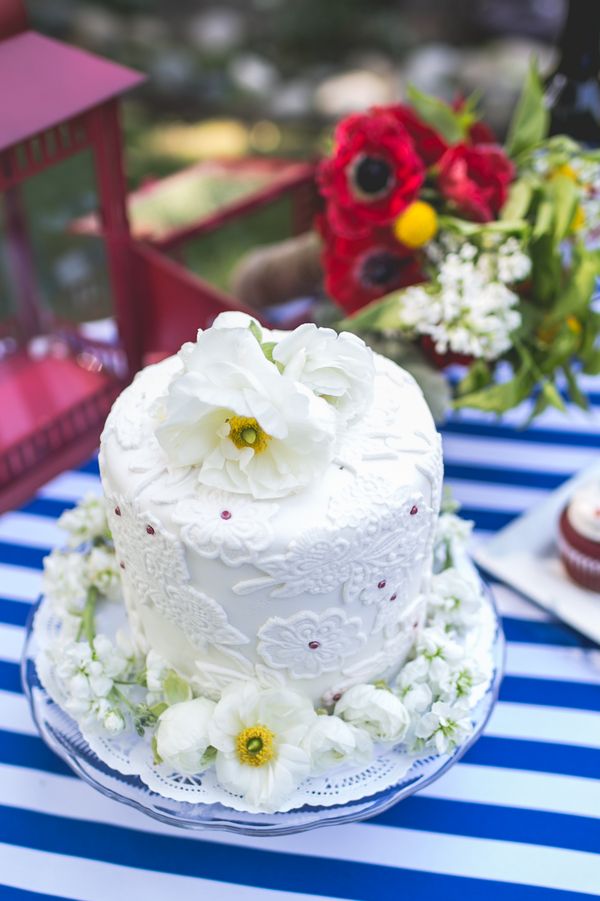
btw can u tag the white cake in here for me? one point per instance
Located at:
(307, 572)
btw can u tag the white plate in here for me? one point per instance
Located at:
(525, 556)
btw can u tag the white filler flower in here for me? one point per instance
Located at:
(182, 739)
(258, 735)
(331, 742)
(86, 521)
(376, 710)
(247, 427)
(338, 367)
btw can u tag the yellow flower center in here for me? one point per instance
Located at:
(254, 746)
(565, 171)
(417, 225)
(245, 431)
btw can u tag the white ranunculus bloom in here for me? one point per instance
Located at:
(338, 367)
(182, 739)
(247, 428)
(331, 742)
(258, 734)
(235, 319)
(376, 710)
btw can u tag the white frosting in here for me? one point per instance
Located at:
(319, 589)
(584, 511)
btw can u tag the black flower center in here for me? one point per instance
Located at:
(372, 176)
(380, 269)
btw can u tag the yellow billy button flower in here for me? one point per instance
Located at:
(254, 746)
(578, 219)
(244, 431)
(417, 225)
(565, 171)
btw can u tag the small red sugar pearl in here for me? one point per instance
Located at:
(117, 511)
(337, 696)
(414, 510)
(122, 565)
(225, 514)
(149, 529)
(393, 597)
(313, 645)
(381, 584)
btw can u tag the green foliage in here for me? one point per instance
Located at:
(450, 124)
(176, 689)
(529, 125)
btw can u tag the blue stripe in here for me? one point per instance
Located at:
(10, 677)
(14, 613)
(47, 506)
(499, 475)
(427, 814)
(551, 693)
(91, 466)
(490, 520)
(8, 893)
(530, 631)
(278, 871)
(22, 555)
(538, 756)
(494, 822)
(535, 435)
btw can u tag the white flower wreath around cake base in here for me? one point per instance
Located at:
(262, 747)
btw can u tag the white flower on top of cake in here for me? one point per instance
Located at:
(309, 643)
(338, 367)
(245, 426)
(225, 525)
(331, 742)
(258, 736)
(376, 710)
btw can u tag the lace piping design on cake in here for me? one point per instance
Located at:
(372, 562)
(131, 430)
(233, 527)
(309, 643)
(153, 563)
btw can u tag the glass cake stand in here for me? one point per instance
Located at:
(62, 735)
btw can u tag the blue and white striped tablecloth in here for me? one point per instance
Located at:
(517, 818)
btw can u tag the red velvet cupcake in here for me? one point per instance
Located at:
(579, 537)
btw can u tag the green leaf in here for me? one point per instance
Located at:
(159, 708)
(564, 195)
(256, 330)
(478, 377)
(591, 364)
(530, 120)
(544, 220)
(154, 745)
(575, 392)
(267, 349)
(176, 689)
(519, 200)
(500, 397)
(378, 316)
(552, 396)
(437, 114)
(575, 296)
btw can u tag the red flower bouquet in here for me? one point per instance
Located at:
(436, 234)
